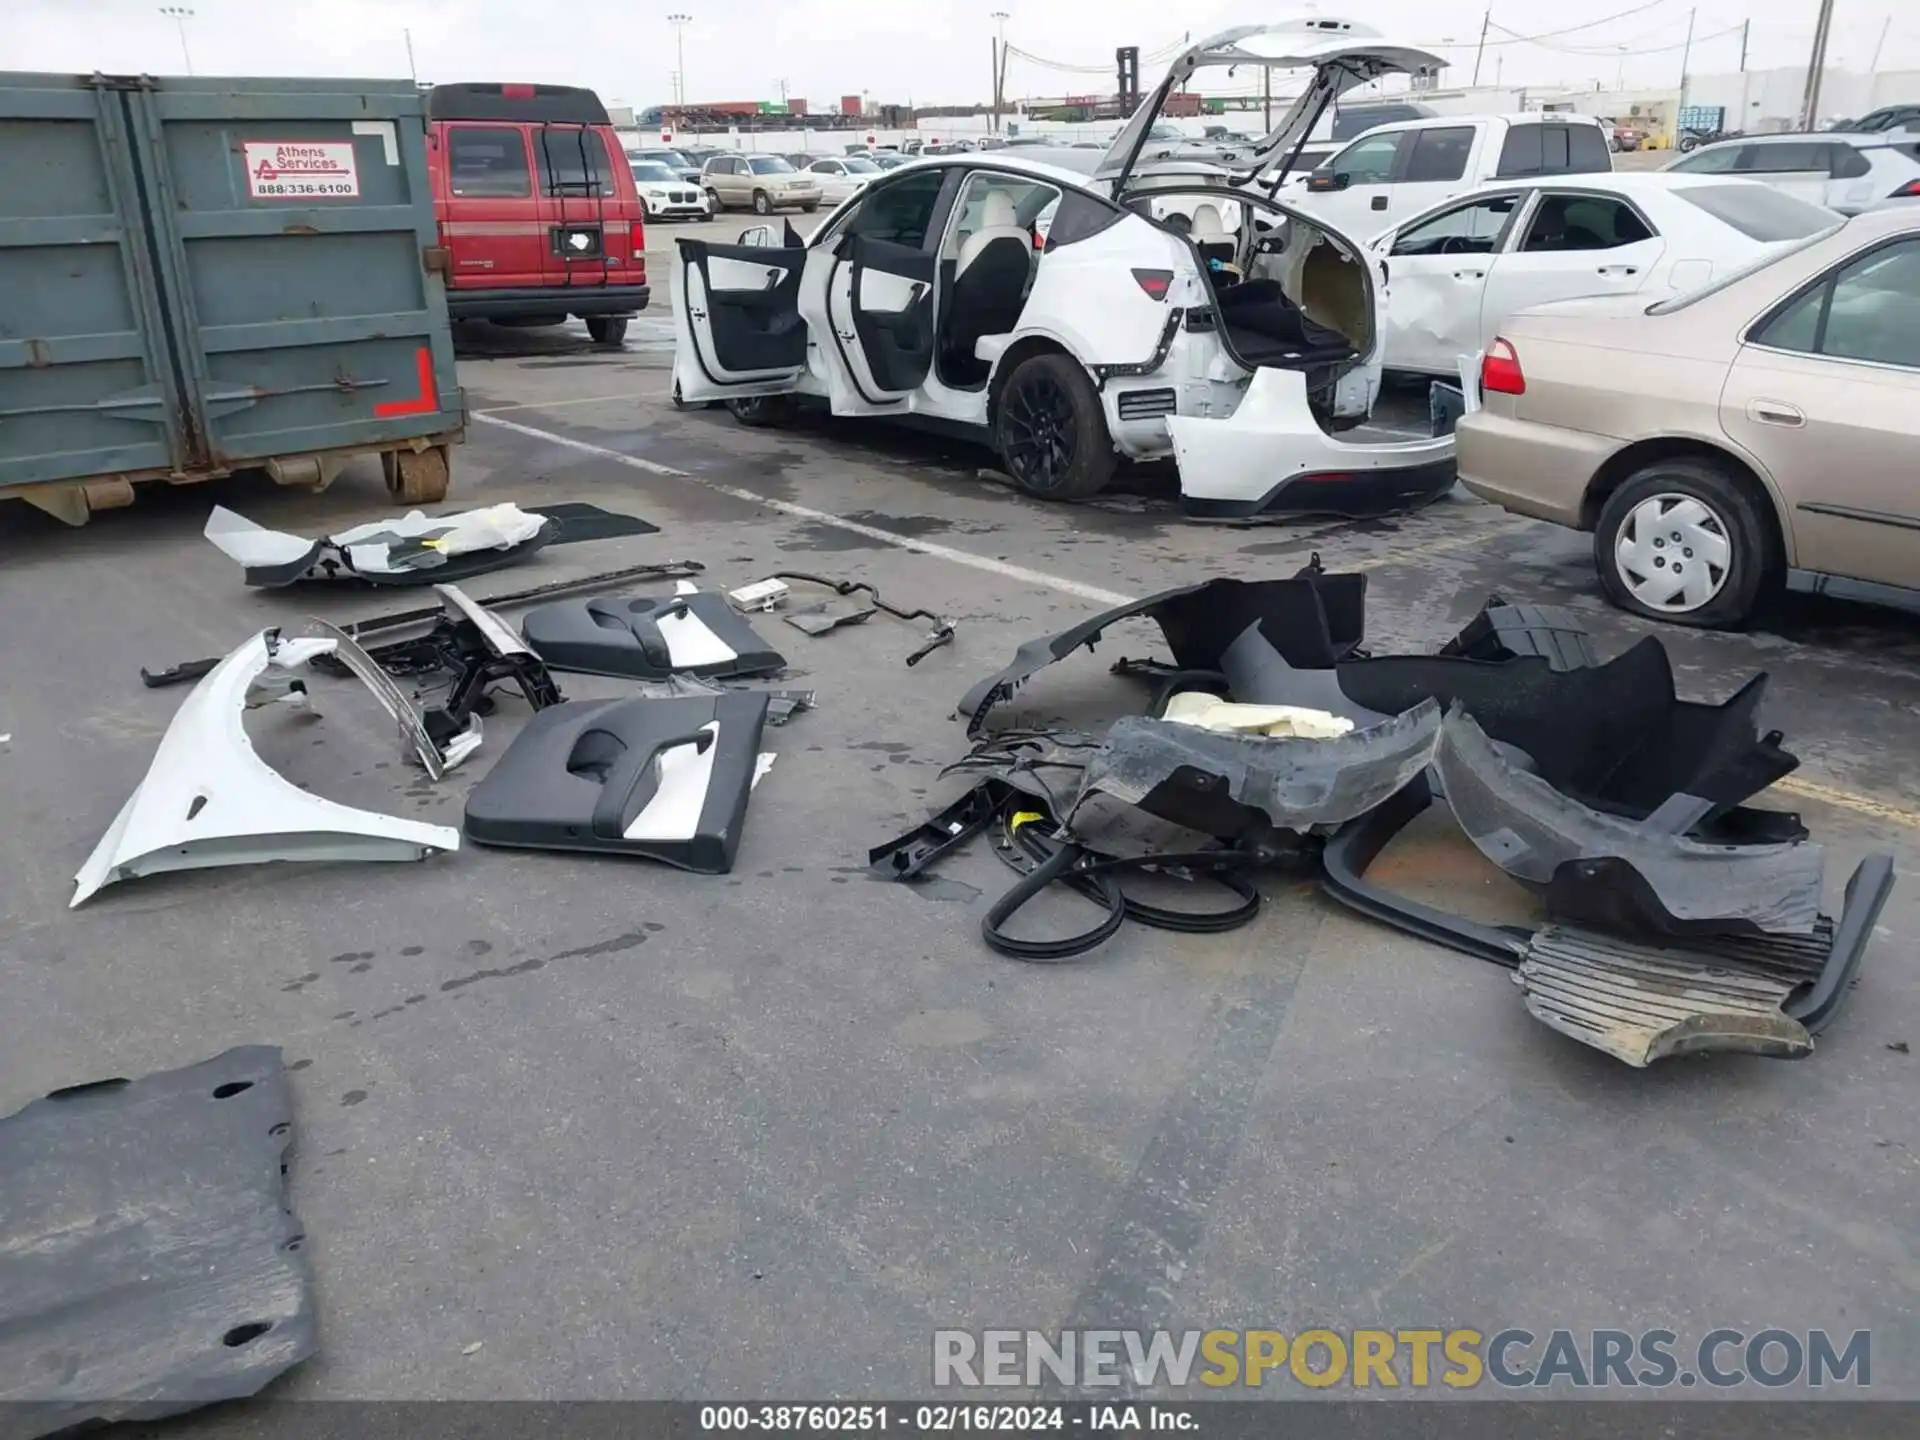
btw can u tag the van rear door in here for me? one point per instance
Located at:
(491, 220)
(588, 241)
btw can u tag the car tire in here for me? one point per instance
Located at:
(763, 412)
(761, 204)
(1050, 430)
(714, 206)
(607, 329)
(1652, 529)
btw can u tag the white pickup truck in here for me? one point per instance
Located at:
(1398, 170)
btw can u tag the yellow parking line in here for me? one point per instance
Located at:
(1848, 800)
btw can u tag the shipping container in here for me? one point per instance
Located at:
(205, 276)
(850, 105)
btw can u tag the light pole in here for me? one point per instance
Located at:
(999, 18)
(680, 20)
(180, 14)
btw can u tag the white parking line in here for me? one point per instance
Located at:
(821, 517)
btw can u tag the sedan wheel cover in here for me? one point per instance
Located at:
(1673, 553)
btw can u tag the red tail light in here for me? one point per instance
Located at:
(1912, 187)
(1155, 282)
(1500, 370)
(517, 92)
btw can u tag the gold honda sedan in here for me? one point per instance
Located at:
(1762, 431)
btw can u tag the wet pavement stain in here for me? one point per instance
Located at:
(527, 967)
(353, 1097)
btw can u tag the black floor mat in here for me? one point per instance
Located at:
(664, 780)
(576, 523)
(148, 1261)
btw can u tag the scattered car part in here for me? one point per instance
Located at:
(649, 637)
(783, 705)
(760, 596)
(1632, 877)
(941, 833)
(416, 549)
(439, 745)
(1636, 998)
(430, 614)
(1209, 712)
(1317, 615)
(1504, 631)
(478, 651)
(149, 1261)
(940, 634)
(825, 615)
(1236, 787)
(209, 800)
(664, 779)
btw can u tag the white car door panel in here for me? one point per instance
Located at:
(1516, 281)
(880, 315)
(736, 319)
(1437, 272)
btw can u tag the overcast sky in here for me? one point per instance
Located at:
(928, 51)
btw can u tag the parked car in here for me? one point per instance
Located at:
(1844, 171)
(1403, 168)
(1625, 137)
(682, 163)
(764, 182)
(663, 194)
(1887, 118)
(842, 177)
(887, 159)
(1724, 442)
(1457, 270)
(540, 220)
(1352, 121)
(1236, 353)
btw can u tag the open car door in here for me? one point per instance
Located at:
(1341, 54)
(736, 320)
(880, 311)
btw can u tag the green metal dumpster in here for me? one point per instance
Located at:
(204, 276)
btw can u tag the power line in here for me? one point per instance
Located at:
(1519, 39)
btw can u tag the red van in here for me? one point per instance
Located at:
(536, 207)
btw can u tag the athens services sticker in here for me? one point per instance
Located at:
(301, 170)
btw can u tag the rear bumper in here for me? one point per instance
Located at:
(1271, 456)
(1537, 470)
(577, 300)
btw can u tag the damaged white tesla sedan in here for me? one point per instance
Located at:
(1166, 312)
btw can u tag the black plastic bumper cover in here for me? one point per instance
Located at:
(581, 300)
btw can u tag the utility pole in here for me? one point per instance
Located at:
(999, 18)
(180, 14)
(412, 70)
(782, 83)
(680, 20)
(1485, 21)
(1686, 54)
(1745, 27)
(1266, 93)
(1816, 66)
(1878, 46)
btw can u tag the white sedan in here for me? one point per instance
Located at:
(663, 194)
(843, 176)
(1457, 270)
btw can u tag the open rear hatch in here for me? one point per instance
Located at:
(1341, 54)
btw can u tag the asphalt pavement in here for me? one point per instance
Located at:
(636, 1133)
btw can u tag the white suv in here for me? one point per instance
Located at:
(1843, 171)
(1168, 312)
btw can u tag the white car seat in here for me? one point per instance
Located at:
(1210, 236)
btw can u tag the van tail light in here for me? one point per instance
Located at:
(1500, 369)
(1155, 282)
(1911, 188)
(517, 92)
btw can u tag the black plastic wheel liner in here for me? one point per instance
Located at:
(1232, 787)
(1632, 877)
(663, 780)
(149, 1263)
(1314, 615)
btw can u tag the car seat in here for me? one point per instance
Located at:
(989, 286)
(1210, 237)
